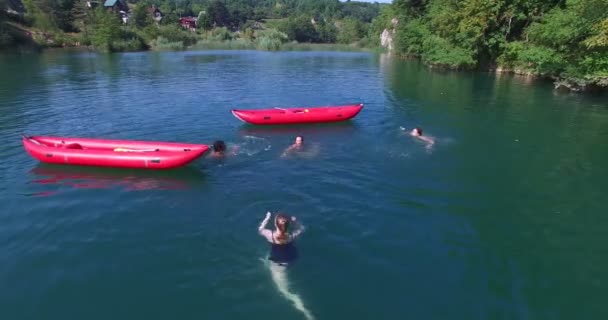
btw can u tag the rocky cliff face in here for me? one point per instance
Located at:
(13, 6)
(387, 36)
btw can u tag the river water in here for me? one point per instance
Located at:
(504, 217)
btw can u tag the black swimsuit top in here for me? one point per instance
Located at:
(282, 253)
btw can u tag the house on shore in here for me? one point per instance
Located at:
(118, 6)
(188, 23)
(157, 15)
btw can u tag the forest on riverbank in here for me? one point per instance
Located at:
(115, 25)
(566, 40)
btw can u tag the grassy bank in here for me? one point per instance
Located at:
(240, 44)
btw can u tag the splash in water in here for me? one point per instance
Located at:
(253, 145)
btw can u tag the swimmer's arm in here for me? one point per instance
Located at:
(300, 228)
(262, 228)
(286, 152)
(430, 141)
(235, 149)
(264, 222)
(291, 147)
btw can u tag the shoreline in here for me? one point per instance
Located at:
(202, 45)
(560, 84)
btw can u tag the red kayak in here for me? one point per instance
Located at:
(298, 115)
(112, 153)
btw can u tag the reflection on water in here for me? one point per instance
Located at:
(106, 178)
(204, 58)
(339, 128)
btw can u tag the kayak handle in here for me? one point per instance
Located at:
(31, 140)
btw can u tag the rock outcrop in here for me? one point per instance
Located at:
(387, 36)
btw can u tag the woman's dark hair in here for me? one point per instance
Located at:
(419, 130)
(219, 146)
(282, 223)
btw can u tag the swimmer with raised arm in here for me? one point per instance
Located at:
(297, 145)
(283, 252)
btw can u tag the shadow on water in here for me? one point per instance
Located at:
(82, 177)
(204, 58)
(340, 128)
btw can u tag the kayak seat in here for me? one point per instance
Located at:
(74, 146)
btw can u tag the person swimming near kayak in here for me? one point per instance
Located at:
(297, 145)
(417, 133)
(219, 149)
(282, 253)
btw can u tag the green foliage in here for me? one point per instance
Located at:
(217, 14)
(599, 36)
(559, 28)
(248, 34)
(300, 29)
(204, 20)
(106, 29)
(351, 30)
(313, 21)
(381, 22)
(360, 11)
(410, 37)
(536, 59)
(237, 44)
(50, 15)
(440, 52)
(175, 33)
(162, 43)
(558, 38)
(140, 15)
(271, 40)
(327, 32)
(294, 46)
(129, 44)
(220, 34)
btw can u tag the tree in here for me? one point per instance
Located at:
(106, 29)
(141, 17)
(218, 14)
(300, 29)
(327, 32)
(350, 31)
(204, 21)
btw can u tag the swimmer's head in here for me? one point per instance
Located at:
(299, 140)
(219, 146)
(281, 222)
(417, 132)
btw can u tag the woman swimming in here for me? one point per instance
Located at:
(297, 145)
(417, 133)
(283, 252)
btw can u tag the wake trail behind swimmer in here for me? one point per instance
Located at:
(282, 253)
(279, 277)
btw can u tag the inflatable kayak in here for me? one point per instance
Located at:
(298, 115)
(112, 153)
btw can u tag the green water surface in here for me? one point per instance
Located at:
(505, 217)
